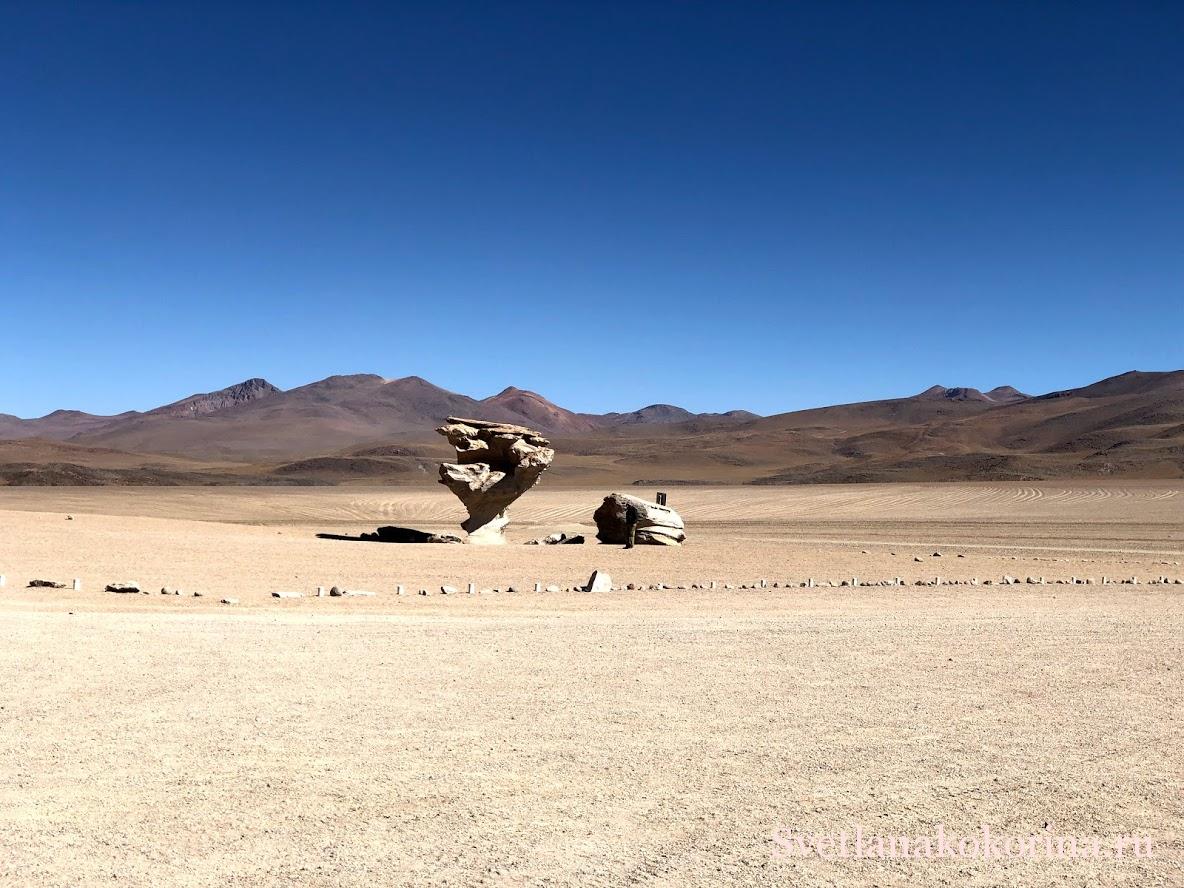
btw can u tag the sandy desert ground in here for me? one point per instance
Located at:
(634, 737)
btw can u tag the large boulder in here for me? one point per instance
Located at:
(496, 464)
(656, 525)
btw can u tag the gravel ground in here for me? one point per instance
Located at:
(645, 737)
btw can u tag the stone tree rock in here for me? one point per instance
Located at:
(496, 464)
(656, 525)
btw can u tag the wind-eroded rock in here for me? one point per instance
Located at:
(496, 464)
(656, 525)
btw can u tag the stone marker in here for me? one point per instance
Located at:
(599, 582)
(496, 464)
(77, 585)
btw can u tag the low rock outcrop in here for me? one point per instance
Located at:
(496, 464)
(557, 539)
(390, 534)
(656, 525)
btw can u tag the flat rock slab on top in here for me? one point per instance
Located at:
(496, 463)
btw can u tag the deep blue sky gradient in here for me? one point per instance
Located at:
(760, 205)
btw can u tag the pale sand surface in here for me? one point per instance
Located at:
(651, 738)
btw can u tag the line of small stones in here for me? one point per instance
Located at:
(713, 585)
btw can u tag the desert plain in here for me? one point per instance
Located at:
(635, 737)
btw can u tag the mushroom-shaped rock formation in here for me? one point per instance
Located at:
(496, 464)
(656, 525)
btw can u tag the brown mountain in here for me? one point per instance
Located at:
(255, 420)
(1131, 425)
(537, 412)
(59, 425)
(1003, 394)
(363, 427)
(232, 396)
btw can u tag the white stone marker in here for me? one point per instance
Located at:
(599, 582)
(77, 584)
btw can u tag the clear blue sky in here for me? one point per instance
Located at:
(761, 205)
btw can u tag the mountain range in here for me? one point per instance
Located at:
(256, 420)
(365, 428)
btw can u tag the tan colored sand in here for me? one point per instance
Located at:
(631, 738)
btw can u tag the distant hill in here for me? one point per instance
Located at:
(1130, 425)
(256, 420)
(232, 396)
(366, 429)
(1003, 394)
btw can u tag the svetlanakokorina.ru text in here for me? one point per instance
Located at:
(982, 844)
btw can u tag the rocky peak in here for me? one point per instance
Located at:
(209, 402)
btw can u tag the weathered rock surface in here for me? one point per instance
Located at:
(656, 525)
(124, 588)
(46, 584)
(496, 464)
